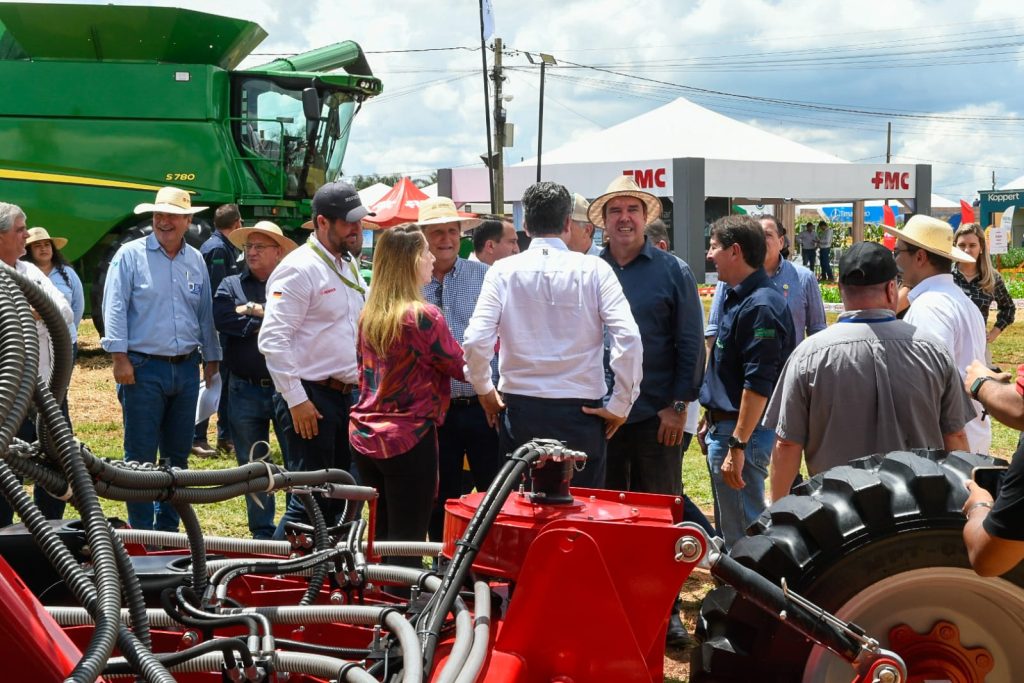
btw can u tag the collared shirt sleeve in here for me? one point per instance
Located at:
(288, 297)
(116, 295)
(225, 318)
(715, 314)
(207, 330)
(935, 322)
(444, 352)
(689, 338)
(956, 406)
(1004, 303)
(815, 306)
(77, 296)
(58, 299)
(626, 351)
(482, 333)
(789, 410)
(763, 336)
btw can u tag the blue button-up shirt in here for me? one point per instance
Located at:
(456, 294)
(158, 305)
(798, 287)
(755, 337)
(662, 295)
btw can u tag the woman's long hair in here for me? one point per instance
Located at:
(986, 276)
(395, 286)
(59, 262)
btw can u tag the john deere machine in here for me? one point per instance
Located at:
(103, 105)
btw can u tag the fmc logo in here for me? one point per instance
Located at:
(647, 177)
(891, 180)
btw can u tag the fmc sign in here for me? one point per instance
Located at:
(649, 178)
(891, 180)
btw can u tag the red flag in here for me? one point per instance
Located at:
(888, 217)
(966, 213)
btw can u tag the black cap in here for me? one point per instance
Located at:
(866, 263)
(339, 200)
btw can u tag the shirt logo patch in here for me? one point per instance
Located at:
(277, 295)
(764, 333)
(328, 291)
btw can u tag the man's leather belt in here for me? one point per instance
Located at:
(256, 381)
(173, 360)
(723, 415)
(465, 400)
(336, 384)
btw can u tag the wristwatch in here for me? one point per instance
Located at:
(679, 406)
(976, 386)
(736, 443)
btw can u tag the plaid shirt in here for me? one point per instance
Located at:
(456, 296)
(983, 300)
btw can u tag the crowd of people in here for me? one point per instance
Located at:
(443, 361)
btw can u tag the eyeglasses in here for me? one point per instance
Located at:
(905, 250)
(258, 247)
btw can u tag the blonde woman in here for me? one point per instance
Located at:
(980, 281)
(408, 355)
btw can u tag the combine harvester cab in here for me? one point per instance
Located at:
(114, 102)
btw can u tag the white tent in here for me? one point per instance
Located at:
(371, 194)
(430, 190)
(1015, 184)
(682, 129)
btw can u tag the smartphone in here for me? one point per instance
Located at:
(990, 478)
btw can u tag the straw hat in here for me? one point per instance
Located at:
(930, 234)
(40, 234)
(441, 210)
(171, 200)
(267, 228)
(624, 186)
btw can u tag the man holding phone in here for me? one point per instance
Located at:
(994, 532)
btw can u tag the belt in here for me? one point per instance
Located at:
(722, 415)
(173, 360)
(465, 400)
(256, 381)
(335, 384)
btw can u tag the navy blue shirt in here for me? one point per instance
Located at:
(662, 295)
(221, 258)
(240, 332)
(755, 338)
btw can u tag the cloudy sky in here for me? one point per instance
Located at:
(826, 73)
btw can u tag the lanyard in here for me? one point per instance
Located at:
(330, 264)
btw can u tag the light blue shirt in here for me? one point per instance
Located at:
(158, 305)
(73, 293)
(803, 297)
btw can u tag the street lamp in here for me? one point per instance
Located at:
(545, 60)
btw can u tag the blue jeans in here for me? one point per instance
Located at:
(808, 256)
(252, 412)
(159, 413)
(737, 510)
(825, 258)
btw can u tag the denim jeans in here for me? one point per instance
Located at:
(252, 412)
(825, 259)
(736, 510)
(637, 462)
(159, 413)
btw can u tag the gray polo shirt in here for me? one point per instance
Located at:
(868, 384)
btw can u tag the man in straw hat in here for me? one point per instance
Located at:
(157, 307)
(581, 230)
(454, 288)
(238, 313)
(550, 306)
(871, 385)
(308, 337)
(925, 254)
(13, 237)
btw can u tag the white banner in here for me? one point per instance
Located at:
(487, 10)
(999, 236)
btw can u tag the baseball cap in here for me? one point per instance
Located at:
(579, 208)
(339, 200)
(866, 263)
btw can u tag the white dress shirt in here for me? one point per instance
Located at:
(45, 343)
(310, 322)
(939, 306)
(548, 306)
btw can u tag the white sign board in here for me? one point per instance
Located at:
(999, 236)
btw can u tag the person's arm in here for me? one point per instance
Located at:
(816, 321)
(956, 441)
(1001, 400)
(208, 332)
(284, 315)
(58, 299)
(478, 343)
(445, 354)
(752, 406)
(714, 315)
(77, 296)
(784, 466)
(689, 346)
(226, 317)
(216, 265)
(627, 353)
(989, 555)
(1007, 310)
(116, 296)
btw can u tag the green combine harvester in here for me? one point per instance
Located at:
(106, 104)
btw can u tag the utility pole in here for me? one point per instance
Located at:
(888, 144)
(993, 180)
(498, 197)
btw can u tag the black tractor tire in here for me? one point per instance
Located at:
(198, 232)
(877, 542)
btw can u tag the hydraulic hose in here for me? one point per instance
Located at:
(133, 595)
(322, 541)
(226, 646)
(481, 636)
(460, 649)
(196, 546)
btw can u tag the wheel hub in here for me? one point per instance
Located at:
(939, 655)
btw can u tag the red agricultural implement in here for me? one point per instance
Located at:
(534, 583)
